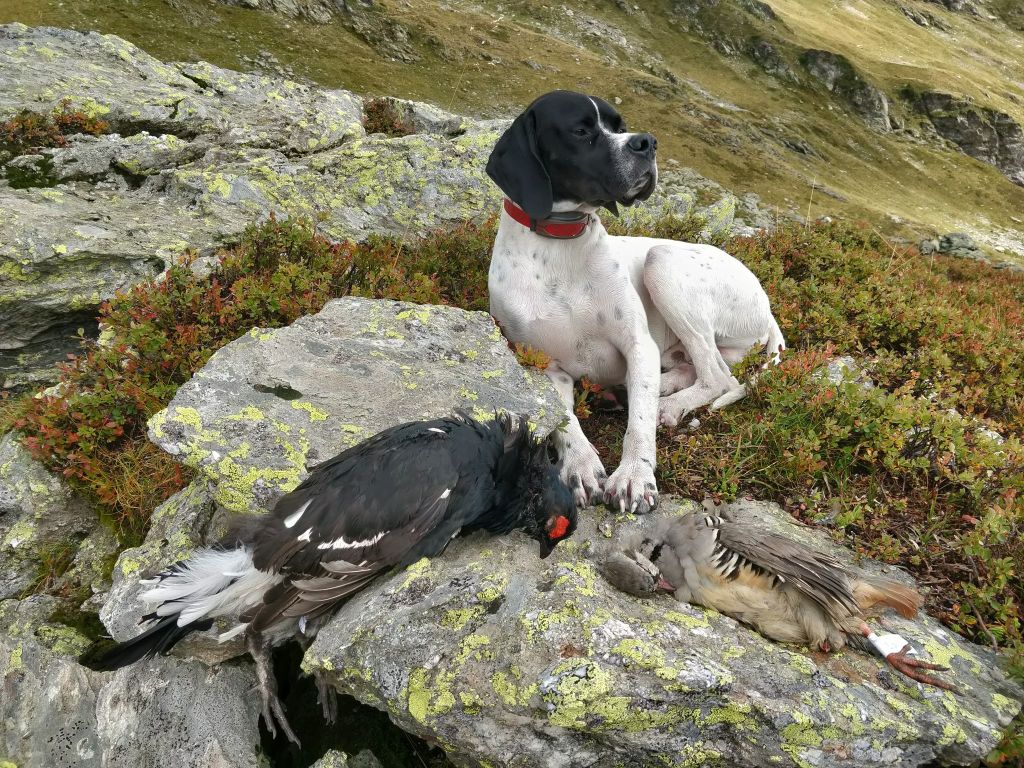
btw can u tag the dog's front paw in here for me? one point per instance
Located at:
(584, 474)
(632, 488)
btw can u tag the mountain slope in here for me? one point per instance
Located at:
(788, 99)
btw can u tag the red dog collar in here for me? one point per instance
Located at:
(559, 226)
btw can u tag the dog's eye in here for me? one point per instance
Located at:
(581, 131)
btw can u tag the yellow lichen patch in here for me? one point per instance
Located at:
(944, 653)
(422, 314)
(582, 700)
(506, 686)
(802, 664)
(579, 575)
(545, 620)
(733, 713)
(474, 646)
(495, 585)
(458, 618)
(315, 414)
(640, 653)
(418, 570)
(798, 736)
(248, 413)
(14, 661)
(687, 620)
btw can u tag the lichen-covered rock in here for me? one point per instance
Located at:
(507, 660)
(41, 519)
(180, 525)
(197, 153)
(272, 403)
(167, 711)
(48, 706)
(56, 713)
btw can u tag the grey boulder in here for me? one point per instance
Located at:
(274, 402)
(41, 518)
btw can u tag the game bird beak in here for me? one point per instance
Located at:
(546, 548)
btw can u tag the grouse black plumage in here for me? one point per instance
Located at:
(402, 495)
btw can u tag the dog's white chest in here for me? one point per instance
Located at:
(541, 298)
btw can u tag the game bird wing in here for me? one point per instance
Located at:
(396, 499)
(818, 575)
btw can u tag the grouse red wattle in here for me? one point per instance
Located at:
(402, 495)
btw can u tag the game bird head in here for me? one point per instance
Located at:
(554, 511)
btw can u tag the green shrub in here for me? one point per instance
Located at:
(162, 332)
(904, 471)
(382, 116)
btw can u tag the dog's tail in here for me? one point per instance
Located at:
(776, 343)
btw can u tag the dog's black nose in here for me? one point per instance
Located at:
(643, 144)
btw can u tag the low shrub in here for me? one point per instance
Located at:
(28, 131)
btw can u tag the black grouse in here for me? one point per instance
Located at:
(401, 495)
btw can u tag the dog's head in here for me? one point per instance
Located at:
(571, 148)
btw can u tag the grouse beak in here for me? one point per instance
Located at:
(664, 586)
(546, 547)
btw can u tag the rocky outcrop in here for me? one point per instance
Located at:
(983, 133)
(507, 660)
(841, 78)
(42, 522)
(272, 403)
(55, 713)
(962, 246)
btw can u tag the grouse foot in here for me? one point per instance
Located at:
(900, 660)
(267, 683)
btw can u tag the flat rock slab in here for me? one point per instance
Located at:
(275, 402)
(504, 659)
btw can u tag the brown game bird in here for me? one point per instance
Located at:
(786, 590)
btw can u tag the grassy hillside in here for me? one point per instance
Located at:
(682, 70)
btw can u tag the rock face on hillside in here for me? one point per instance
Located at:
(508, 660)
(841, 78)
(197, 154)
(983, 133)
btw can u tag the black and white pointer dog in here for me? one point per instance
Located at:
(663, 317)
(385, 503)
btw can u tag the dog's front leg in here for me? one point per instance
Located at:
(582, 469)
(632, 486)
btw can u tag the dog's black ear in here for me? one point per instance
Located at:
(515, 166)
